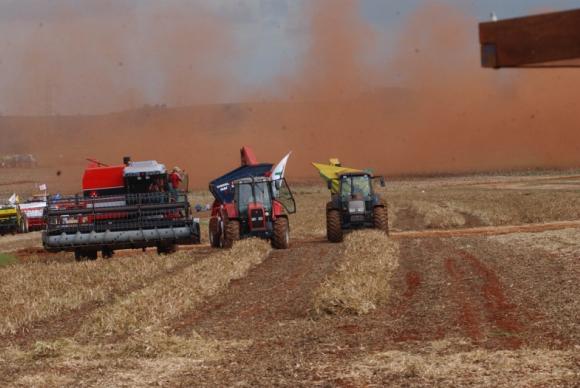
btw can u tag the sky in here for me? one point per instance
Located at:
(97, 56)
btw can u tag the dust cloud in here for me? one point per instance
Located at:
(428, 108)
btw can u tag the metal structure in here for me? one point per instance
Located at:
(34, 211)
(121, 207)
(545, 40)
(12, 221)
(353, 204)
(248, 202)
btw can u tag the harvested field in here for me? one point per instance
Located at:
(476, 286)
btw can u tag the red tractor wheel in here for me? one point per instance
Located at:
(333, 226)
(214, 232)
(281, 237)
(231, 233)
(381, 219)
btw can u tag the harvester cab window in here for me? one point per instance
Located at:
(284, 195)
(146, 184)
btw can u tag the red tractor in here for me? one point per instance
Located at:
(250, 203)
(122, 207)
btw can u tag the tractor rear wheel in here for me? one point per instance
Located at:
(333, 226)
(381, 219)
(281, 237)
(214, 232)
(231, 233)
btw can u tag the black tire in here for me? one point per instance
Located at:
(281, 237)
(231, 233)
(107, 253)
(82, 255)
(214, 232)
(166, 249)
(333, 226)
(381, 219)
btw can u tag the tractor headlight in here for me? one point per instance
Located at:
(356, 207)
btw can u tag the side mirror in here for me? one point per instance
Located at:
(278, 184)
(329, 185)
(382, 182)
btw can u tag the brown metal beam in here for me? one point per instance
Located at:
(533, 40)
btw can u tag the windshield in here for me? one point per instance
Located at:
(356, 186)
(260, 194)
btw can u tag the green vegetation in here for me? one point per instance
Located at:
(6, 259)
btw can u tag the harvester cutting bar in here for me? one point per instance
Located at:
(117, 222)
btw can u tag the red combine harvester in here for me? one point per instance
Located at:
(121, 207)
(249, 202)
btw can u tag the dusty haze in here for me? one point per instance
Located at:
(442, 112)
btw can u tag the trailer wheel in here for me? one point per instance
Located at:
(214, 232)
(231, 233)
(281, 238)
(333, 226)
(381, 219)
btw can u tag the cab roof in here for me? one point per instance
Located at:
(148, 167)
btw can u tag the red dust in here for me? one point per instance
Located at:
(446, 114)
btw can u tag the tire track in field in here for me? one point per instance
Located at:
(487, 230)
(278, 289)
(67, 323)
(483, 310)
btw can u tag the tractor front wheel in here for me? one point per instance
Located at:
(214, 232)
(381, 219)
(281, 237)
(231, 233)
(333, 226)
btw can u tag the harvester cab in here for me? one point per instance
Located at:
(251, 202)
(354, 203)
(122, 207)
